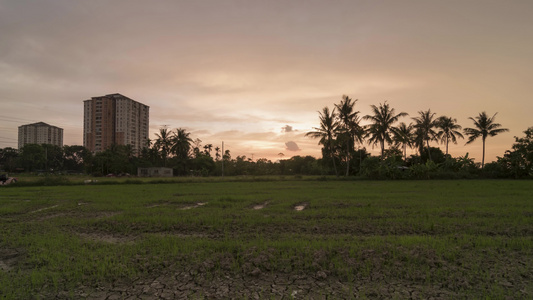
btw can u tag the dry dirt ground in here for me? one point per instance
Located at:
(216, 279)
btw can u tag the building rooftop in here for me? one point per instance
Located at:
(40, 124)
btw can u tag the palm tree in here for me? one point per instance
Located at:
(348, 125)
(163, 143)
(357, 131)
(380, 129)
(484, 127)
(448, 130)
(181, 143)
(326, 132)
(404, 136)
(425, 125)
(418, 140)
(217, 153)
(208, 148)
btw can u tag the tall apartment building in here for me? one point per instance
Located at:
(114, 119)
(40, 133)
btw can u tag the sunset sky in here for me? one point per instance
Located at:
(254, 74)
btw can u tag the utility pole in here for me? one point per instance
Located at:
(222, 158)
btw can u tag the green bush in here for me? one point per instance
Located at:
(375, 168)
(423, 171)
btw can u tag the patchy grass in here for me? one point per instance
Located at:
(418, 239)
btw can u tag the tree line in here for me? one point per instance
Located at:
(343, 138)
(175, 149)
(340, 132)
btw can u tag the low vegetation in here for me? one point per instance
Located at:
(240, 238)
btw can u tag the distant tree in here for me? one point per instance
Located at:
(208, 148)
(217, 153)
(300, 165)
(437, 156)
(326, 132)
(8, 158)
(181, 144)
(403, 135)
(382, 120)
(227, 155)
(393, 153)
(53, 155)
(484, 127)
(448, 130)
(149, 156)
(196, 145)
(203, 164)
(32, 157)
(523, 146)
(425, 124)
(418, 141)
(76, 158)
(518, 162)
(116, 159)
(349, 129)
(163, 143)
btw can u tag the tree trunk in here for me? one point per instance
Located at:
(333, 159)
(334, 165)
(483, 158)
(348, 157)
(429, 152)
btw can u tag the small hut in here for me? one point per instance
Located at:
(154, 172)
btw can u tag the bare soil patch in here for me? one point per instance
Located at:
(106, 214)
(260, 206)
(52, 216)
(185, 235)
(199, 204)
(180, 205)
(9, 258)
(106, 237)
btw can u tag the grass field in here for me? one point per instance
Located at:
(302, 239)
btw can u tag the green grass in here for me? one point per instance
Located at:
(467, 237)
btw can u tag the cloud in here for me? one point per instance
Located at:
(292, 146)
(286, 128)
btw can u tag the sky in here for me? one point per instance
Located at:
(254, 74)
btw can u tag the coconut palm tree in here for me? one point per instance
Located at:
(347, 126)
(326, 132)
(208, 148)
(181, 143)
(357, 131)
(425, 125)
(448, 130)
(163, 143)
(404, 136)
(217, 153)
(418, 141)
(484, 127)
(383, 119)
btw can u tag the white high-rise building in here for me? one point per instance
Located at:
(40, 133)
